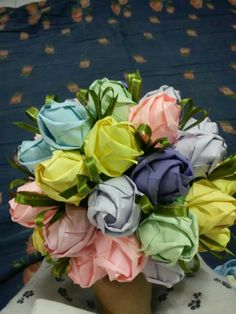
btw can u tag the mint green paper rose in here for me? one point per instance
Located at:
(124, 101)
(169, 239)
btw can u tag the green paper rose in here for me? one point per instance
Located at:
(169, 239)
(124, 101)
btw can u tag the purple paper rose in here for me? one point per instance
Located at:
(163, 176)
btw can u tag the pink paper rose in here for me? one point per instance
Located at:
(119, 257)
(70, 234)
(161, 112)
(24, 214)
(83, 270)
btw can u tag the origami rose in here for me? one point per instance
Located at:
(113, 146)
(119, 257)
(124, 100)
(38, 241)
(31, 153)
(169, 239)
(167, 90)
(83, 269)
(202, 145)
(70, 234)
(161, 112)
(25, 214)
(215, 210)
(64, 125)
(112, 207)
(163, 176)
(59, 173)
(162, 274)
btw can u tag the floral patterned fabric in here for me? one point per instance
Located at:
(58, 47)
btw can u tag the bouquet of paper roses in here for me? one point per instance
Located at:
(117, 185)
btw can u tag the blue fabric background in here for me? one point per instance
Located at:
(65, 47)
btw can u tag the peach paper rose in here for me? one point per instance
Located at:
(161, 112)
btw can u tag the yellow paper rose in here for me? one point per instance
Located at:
(215, 211)
(226, 186)
(113, 146)
(38, 241)
(219, 235)
(59, 173)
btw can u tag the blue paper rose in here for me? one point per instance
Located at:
(64, 125)
(112, 207)
(31, 153)
(163, 176)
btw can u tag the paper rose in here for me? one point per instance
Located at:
(124, 100)
(83, 269)
(67, 236)
(169, 239)
(163, 176)
(38, 241)
(31, 153)
(25, 214)
(162, 274)
(161, 112)
(119, 257)
(203, 147)
(215, 210)
(64, 125)
(112, 207)
(59, 173)
(167, 90)
(113, 146)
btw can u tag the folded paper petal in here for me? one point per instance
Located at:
(59, 174)
(161, 112)
(162, 274)
(124, 100)
(202, 145)
(64, 125)
(113, 146)
(119, 257)
(25, 214)
(83, 269)
(163, 176)
(169, 239)
(215, 210)
(70, 234)
(167, 90)
(112, 207)
(31, 153)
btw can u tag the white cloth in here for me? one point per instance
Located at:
(52, 307)
(206, 292)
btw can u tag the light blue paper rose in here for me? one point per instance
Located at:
(112, 207)
(124, 100)
(64, 125)
(31, 153)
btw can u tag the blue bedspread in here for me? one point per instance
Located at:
(56, 47)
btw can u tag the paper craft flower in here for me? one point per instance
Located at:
(167, 90)
(203, 147)
(119, 257)
(124, 101)
(31, 153)
(113, 146)
(25, 214)
(169, 239)
(163, 176)
(67, 236)
(112, 207)
(161, 112)
(83, 269)
(162, 274)
(59, 173)
(64, 125)
(38, 241)
(215, 210)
